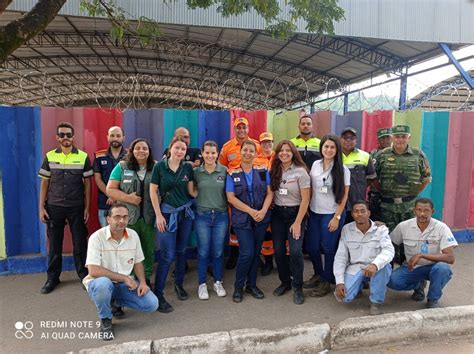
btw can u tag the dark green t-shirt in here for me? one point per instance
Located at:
(172, 186)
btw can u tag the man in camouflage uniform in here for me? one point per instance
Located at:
(384, 138)
(402, 172)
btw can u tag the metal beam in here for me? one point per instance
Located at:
(346, 103)
(402, 99)
(464, 74)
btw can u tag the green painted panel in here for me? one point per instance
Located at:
(413, 119)
(285, 125)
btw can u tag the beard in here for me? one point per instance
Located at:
(66, 143)
(115, 144)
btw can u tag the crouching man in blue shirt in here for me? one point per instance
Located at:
(113, 253)
(364, 255)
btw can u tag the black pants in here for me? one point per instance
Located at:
(292, 266)
(57, 220)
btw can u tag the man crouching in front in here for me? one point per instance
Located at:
(113, 253)
(364, 255)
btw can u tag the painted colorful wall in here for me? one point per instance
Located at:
(29, 132)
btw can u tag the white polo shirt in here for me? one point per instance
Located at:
(116, 256)
(324, 203)
(437, 236)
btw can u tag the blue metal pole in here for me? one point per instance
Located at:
(402, 102)
(469, 80)
(346, 103)
(312, 108)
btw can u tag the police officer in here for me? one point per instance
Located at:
(306, 143)
(361, 167)
(104, 163)
(403, 172)
(65, 195)
(384, 139)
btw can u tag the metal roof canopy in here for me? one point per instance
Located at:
(450, 94)
(76, 62)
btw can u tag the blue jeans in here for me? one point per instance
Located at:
(438, 274)
(172, 246)
(250, 245)
(320, 240)
(102, 217)
(102, 291)
(378, 284)
(211, 230)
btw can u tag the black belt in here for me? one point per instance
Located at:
(400, 200)
(296, 207)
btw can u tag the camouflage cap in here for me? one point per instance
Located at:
(383, 132)
(401, 129)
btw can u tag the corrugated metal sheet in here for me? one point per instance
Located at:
(410, 20)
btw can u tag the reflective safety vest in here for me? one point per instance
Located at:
(308, 149)
(129, 183)
(241, 219)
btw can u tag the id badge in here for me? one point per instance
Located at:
(283, 191)
(324, 189)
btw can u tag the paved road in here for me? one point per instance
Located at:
(70, 306)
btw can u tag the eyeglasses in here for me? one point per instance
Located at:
(349, 137)
(67, 135)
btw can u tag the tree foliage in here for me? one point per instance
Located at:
(319, 16)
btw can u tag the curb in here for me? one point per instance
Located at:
(311, 337)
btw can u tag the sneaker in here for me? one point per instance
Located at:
(321, 290)
(375, 309)
(202, 292)
(312, 282)
(432, 304)
(117, 312)
(418, 294)
(106, 330)
(219, 289)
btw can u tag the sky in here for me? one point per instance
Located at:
(418, 83)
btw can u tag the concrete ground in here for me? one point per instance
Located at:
(70, 308)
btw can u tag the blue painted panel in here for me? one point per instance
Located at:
(464, 236)
(351, 119)
(434, 141)
(147, 124)
(214, 125)
(20, 158)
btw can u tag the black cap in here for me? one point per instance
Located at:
(348, 129)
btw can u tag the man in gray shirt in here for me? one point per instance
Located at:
(364, 253)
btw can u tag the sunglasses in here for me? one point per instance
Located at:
(67, 135)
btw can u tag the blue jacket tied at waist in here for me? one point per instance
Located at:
(173, 221)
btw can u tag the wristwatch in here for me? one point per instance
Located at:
(338, 217)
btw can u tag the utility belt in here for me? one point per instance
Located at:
(400, 200)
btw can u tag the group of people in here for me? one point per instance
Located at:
(308, 194)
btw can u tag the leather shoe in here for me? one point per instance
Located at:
(163, 305)
(49, 286)
(298, 297)
(255, 292)
(182, 294)
(237, 295)
(282, 289)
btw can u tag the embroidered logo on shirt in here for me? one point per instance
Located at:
(185, 178)
(103, 162)
(220, 178)
(130, 261)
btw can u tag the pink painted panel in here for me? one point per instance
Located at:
(371, 122)
(459, 167)
(323, 122)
